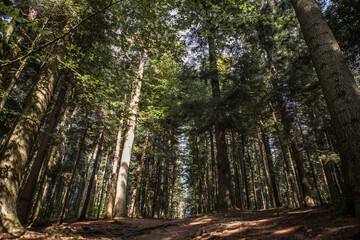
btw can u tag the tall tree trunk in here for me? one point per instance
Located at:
(145, 194)
(289, 174)
(134, 209)
(312, 168)
(91, 176)
(165, 197)
(26, 196)
(235, 156)
(341, 94)
(269, 168)
(79, 147)
(110, 204)
(243, 170)
(263, 156)
(103, 185)
(225, 198)
(214, 169)
(157, 188)
(304, 185)
(252, 169)
(120, 198)
(17, 149)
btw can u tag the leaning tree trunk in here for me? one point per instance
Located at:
(340, 91)
(26, 196)
(120, 198)
(17, 149)
(225, 196)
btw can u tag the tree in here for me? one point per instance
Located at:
(340, 90)
(120, 199)
(14, 155)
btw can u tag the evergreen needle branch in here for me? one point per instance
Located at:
(30, 53)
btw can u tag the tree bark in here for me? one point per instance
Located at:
(91, 176)
(214, 170)
(269, 168)
(17, 149)
(225, 197)
(139, 174)
(120, 198)
(26, 196)
(340, 91)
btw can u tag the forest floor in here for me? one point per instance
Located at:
(265, 224)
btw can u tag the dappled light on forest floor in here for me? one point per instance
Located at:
(266, 224)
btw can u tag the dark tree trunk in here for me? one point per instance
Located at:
(92, 172)
(225, 198)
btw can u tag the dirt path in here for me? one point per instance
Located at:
(268, 224)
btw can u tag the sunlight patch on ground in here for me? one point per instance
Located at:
(202, 221)
(267, 220)
(285, 231)
(300, 212)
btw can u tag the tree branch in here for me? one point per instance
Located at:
(58, 38)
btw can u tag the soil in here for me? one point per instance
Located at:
(266, 224)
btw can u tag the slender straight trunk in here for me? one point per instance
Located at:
(287, 123)
(134, 209)
(103, 185)
(238, 186)
(91, 176)
(18, 147)
(304, 185)
(321, 146)
(252, 168)
(197, 165)
(173, 177)
(80, 147)
(147, 173)
(289, 174)
(165, 197)
(225, 198)
(214, 169)
(110, 204)
(26, 196)
(244, 174)
(331, 182)
(262, 154)
(157, 189)
(120, 198)
(268, 166)
(208, 168)
(340, 91)
(238, 194)
(312, 168)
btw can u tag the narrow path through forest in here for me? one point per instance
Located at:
(265, 224)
